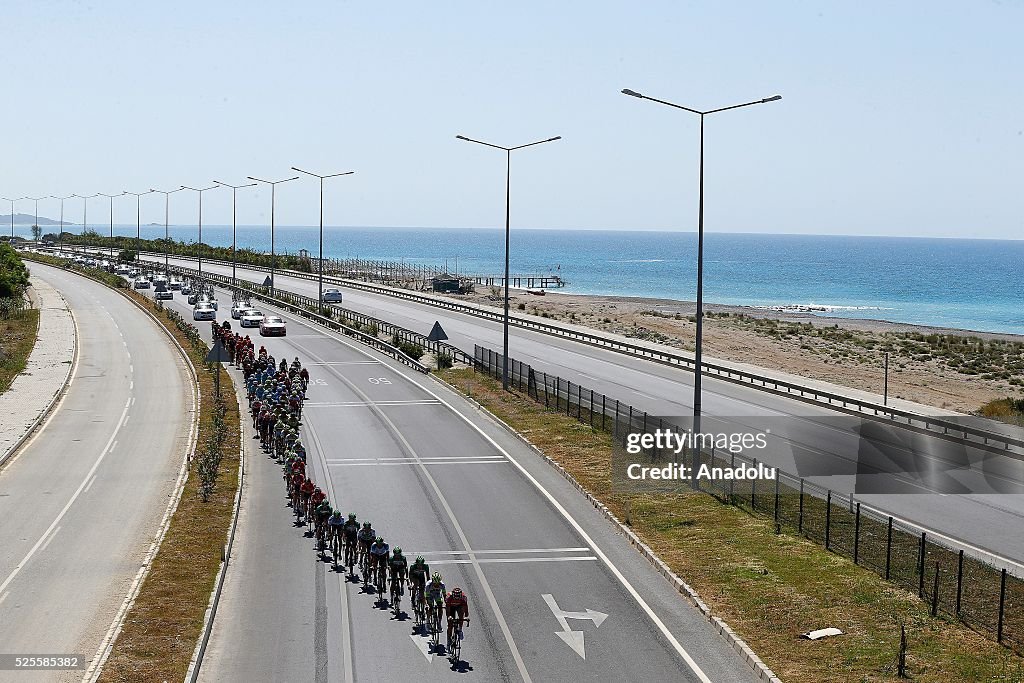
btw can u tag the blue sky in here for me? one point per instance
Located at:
(897, 118)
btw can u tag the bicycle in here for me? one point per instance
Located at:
(396, 595)
(381, 578)
(454, 647)
(335, 549)
(434, 622)
(350, 556)
(418, 605)
(364, 565)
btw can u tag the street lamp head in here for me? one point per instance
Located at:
(557, 137)
(631, 93)
(772, 98)
(461, 137)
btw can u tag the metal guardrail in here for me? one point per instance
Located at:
(946, 428)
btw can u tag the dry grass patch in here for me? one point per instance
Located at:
(768, 587)
(17, 337)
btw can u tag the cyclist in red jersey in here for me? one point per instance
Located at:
(457, 606)
(306, 491)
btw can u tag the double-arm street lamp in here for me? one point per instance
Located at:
(85, 209)
(234, 192)
(35, 225)
(508, 178)
(700, 238)
(199, 246)
(60, 235)
(320, 298)
(12, 211)
(167, 212)
(138, 221)
(111, 197)
(273, 254)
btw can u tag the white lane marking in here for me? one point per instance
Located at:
(491, 560)
(114, 447)
(640, 393)
(89, 485)
(127, 418)
(4, 596)
(495, 552)
(424, 464)
(131, 368)
(347, 362)
(489, 594)
(669, 636)
(52, 536)
(67, 506)
(573, 639)
(423, 645)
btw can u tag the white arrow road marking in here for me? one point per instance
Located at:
(423, 645)
(573, 639)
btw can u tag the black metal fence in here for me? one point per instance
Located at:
(953, 583)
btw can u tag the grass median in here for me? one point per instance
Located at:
(769, 587)
(164, 623)
(17, 338)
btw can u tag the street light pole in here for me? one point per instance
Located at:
(199, 247)
(12, 212)
(273, 255)
(85, 209)
(36, 200)
(111, 197)
(167, 234)
(234, 227)
(508, 198)
(138, 222)
(60, 235)
(700, 241)
(320, 298)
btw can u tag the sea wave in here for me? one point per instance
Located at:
(820, 308)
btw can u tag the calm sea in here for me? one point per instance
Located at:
(972, 284)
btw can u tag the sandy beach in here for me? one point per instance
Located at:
(947, 368)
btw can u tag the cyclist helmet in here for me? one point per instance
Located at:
(456, 592)
(337, 513)
(352, 516)
(436, 578)
(380, 539)
(366, 525)
(317, 490)
(419, 560)
(308, 480)
(397, 551)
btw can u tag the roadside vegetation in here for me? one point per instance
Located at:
(769, 587)
(1010, 410)
(164, 623)
(190, 249)
(19, 322)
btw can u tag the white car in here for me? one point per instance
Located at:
(332, 295)
(272, 326)
(193, 297)
(251, 318)
(175, 283)
(239, 308)
(142, 284)
(122, 270)
(186, 288)
(204, 311)
(164, 294)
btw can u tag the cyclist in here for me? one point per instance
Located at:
(305, 491)
(435, 595)
(418, 573)
(379, 554)
(457, 607)
(295, 489)
(366, 537)
(315, 499)
(350, 531)
(335, 526)
(399, 566)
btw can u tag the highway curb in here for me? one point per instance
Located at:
(106, 647)
(737, 643)
(45, 414)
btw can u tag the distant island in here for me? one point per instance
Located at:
(29, 219)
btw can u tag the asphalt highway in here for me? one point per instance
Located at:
(437, 477)
(970, 496)
(82, 501)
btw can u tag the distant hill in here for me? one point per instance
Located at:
(28, 219)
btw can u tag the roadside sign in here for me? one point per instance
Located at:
(437, 333)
